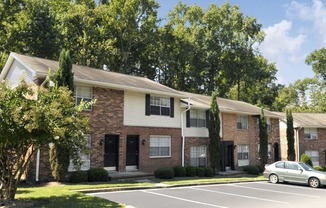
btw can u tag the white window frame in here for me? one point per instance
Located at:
(269, 124)
(157, 141)
(197, 117)
(242, 122)
(84, 93)
(198, 156)
(85, 158)
(243, 150)
(310, 133)
(161, 102)
(314, 156)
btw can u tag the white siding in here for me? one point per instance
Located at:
(134, 113)
(18, 72)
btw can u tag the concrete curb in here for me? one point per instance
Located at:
(88, 191)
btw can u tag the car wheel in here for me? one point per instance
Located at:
(314, 182)
(273, 178)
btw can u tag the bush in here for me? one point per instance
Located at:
(324, 169)
(179, 171)
(251, 169)
(200, 172)
(78, 177)
(190, 171)
(306, 159)
(97, 175)
(261, 169)
(319, 168)
(164, 173)
(209, 172)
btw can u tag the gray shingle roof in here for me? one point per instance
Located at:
(313, 120)
(96, 76)
(227, 105)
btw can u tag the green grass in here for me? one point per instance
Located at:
(65, 195)
(62, 196)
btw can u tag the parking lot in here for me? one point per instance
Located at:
(235, 195)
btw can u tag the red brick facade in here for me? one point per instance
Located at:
(106, 118)
(318, 144)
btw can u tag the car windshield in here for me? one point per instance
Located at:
(306, 167)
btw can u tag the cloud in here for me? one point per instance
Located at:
(314, 13)
(283, 48)
(279, 43)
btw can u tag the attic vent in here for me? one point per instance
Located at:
(105, 67)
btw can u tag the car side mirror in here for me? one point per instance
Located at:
(301, 169)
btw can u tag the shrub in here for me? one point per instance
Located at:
(78, 177)
(179, 171)
(164, 173)
(200, 172)
(306, 159)
(209, 172)
(261, 169)
(190, 171)
(324, 168)
(251, 169)
(319, 168)
(97, 175)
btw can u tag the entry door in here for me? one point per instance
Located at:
(276, 152)
(228, 155)
(111, 152)
(132, 152)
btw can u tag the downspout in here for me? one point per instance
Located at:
(37, 165)
(182, 133)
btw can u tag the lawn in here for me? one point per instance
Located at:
(55, 195)
(63, 195)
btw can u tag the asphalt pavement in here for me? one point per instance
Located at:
(249, 194)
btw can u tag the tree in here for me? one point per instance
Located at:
(290, 135)
(31, 118)
(214, 134)
(64, 75)
(263, 139)
(60, 153)
(317, 59)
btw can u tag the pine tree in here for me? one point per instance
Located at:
(263, 138)
(290, 135)
(214, 134)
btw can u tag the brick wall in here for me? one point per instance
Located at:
(318, 144)
(248, 136)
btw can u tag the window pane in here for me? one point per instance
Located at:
(165, 111)
(165, 102)
(160, 146)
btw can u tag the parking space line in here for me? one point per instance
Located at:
(243, 196)
(295, 186)
(182, 199)
(281, 192)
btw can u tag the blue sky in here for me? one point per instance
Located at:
(293, 28)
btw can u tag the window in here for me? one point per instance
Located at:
(242, 122)
(85, 158)
(269, 150)
(197, 118)
(310, 133)
(292, 166)
(83, 93)
(280, 165)
(314, 156)
(269, 124)
(155, 105)
(198, 156)
(243, 152)
(160, 146)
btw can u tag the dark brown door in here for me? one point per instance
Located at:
(111, 151)
(132, 151)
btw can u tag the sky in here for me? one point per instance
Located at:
(293, 29)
